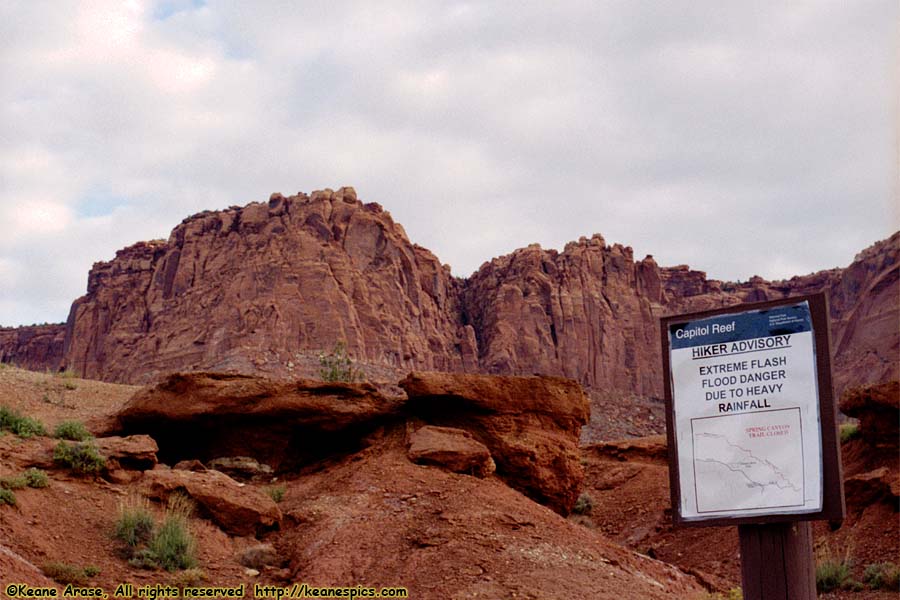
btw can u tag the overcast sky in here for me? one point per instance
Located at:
(741, 138)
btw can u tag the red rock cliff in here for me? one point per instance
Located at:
(252, 288)
(34, 347)
(263, 288)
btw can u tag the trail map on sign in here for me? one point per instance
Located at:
(736, 469)
(747, 414)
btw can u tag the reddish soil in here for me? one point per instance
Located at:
(371, 518)
(375, 518)
(628, 482)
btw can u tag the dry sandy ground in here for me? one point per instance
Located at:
(371, 517)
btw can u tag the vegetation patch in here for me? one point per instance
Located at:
(35, 478)
(20, 425)
(72, 430)
(166, 545)
(13, 483)
(338, 366)
(276, 493)
(134, 525)
(849, 431)
(7, 497)
(882, 576)
(66, 573)
(584, 505)
(834, 572)
(83, 457)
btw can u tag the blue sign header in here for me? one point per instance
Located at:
(748, 325)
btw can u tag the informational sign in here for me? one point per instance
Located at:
(745, 413)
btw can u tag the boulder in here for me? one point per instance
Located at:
(530, 425)
(281, 424)
(130, 453)
(878, 409)
(134, 452)
(453, 449)
(881, 484)
(241, 467)
(237, 508)
(190, 465)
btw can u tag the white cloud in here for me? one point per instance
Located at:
(741, 139)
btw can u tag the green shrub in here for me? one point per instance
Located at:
(276, 493)
(143, 559)
(832, 574)
(82, 457)
(65, 573)
(134, 525)
(21, 426)
(172, 545)
(72, 430)
(7, 497)
(169, 546)
(584, 505)
(92, 570)
(192, 577)
(337, 366)
(35, 478)
(882, 576)
(13, 483)
(849, 431)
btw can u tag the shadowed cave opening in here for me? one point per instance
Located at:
(283, 446)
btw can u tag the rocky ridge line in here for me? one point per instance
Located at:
(264, 287)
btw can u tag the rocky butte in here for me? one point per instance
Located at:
(263, 288)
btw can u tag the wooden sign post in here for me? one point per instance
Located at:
(752, 434)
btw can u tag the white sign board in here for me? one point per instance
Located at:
(746, 414)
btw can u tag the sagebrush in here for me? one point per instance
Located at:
(72, 430)
(82, 457)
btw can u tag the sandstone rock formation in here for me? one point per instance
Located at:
(246, 288)
(210, 415)
(34, 347)
(134, 452)
(237, 509)
(591, 312)
(530, 425)
(263, 288)
(453, 449)
(878, 409)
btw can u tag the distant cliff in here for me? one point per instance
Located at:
(35, 347)
(263, 288)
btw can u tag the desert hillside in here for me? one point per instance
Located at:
(446, 504)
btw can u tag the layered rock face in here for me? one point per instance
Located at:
(264, 288)
(530, 425)
(248, 288)
(209, 416)
(592, 313)
(34, 347)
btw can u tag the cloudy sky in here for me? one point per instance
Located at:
(741, 138)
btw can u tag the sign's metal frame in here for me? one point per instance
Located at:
(833, 508)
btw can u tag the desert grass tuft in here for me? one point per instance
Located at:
(134, 524)
(172, 544)
(882, 576)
